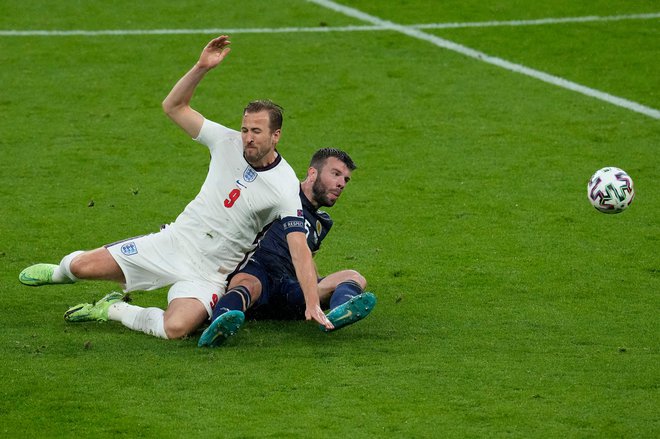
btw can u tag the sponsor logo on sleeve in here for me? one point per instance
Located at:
(293, 224)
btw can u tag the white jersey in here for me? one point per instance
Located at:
(236, 202)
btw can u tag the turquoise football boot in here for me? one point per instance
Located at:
(224, 326)
(352, 311)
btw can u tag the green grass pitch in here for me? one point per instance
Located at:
(508, 306)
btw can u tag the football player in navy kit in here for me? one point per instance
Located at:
(265, 285)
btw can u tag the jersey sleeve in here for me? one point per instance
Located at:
(291, 211)
(212, 134)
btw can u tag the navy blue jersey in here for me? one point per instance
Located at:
(273, 251)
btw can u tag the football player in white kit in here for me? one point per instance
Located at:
(248, 186)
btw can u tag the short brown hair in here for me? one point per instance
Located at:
(274, 112)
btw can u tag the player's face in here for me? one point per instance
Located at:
(258, 140)
(330, 182)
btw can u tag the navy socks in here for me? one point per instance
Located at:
(344, 292)
(238, 298)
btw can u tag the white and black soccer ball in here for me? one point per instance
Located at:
(610, 190)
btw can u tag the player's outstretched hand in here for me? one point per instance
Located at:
(316, 313)
(214, 52)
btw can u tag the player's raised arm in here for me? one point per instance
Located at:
(301, 256)
(177, 103)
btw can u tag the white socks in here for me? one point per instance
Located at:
(148, 320)
(63, 272)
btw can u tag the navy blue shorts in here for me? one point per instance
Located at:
(281, 296)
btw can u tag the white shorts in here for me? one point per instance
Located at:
(157, 260)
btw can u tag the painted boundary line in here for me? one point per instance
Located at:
(364, 28)
(446, 44)
(538, 22)
(209, 31)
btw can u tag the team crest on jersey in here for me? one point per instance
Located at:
(249, 174)
(129, 249)
(319, 227)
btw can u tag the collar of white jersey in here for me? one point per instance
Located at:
(275, 162)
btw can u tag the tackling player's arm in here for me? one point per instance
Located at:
(301, 256)
(177, 103)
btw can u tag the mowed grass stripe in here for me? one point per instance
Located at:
(360, 28)
(494, 318)
(499, 62)
(413, 31)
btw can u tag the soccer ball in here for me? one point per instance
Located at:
(610, 190)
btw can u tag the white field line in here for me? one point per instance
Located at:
(541, 21)
(446, 44)
(414, 31)
(210, 31)
(363, 28)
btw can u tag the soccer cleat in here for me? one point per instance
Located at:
(224, 326)
(88, 312)
(352, 311)
(40, 274)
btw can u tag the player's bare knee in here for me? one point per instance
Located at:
(80, 266)
(183, 316)
(356, 277)
(176, 328)
(96, 264)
